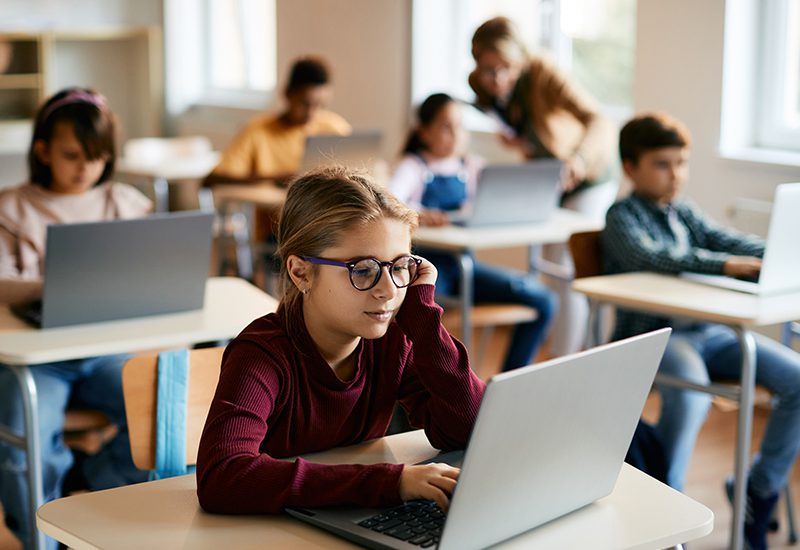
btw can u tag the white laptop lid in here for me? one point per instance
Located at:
(359, 150)
(780, 270)
(514, 194)
(123, 269)
(549, 439)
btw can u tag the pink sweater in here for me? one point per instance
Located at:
(27, 210)
(274, 400)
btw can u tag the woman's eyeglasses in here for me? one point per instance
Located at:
(366, 272)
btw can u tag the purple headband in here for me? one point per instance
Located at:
(75, 96)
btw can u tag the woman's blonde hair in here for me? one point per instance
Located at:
(498, 35)
(320, 207)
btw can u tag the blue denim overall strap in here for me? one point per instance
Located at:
(444, 192)
(171, 403)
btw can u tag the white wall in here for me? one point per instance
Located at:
(679, 56)
(368, 43)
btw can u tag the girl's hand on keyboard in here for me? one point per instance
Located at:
(434, 482)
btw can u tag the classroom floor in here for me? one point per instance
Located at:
(713, 461)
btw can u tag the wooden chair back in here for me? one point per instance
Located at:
(139, 386)
(587, 254)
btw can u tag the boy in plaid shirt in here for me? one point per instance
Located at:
(653, 229)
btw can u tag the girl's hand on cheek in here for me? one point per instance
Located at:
(426, 273)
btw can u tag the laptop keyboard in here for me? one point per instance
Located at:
(418, 522)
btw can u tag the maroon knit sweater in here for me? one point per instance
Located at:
(277, 397)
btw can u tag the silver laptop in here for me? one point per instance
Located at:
(780, 269)
(513, 194)
(549, 439)
(359, 150)
(123, 269)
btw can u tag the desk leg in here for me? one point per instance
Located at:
(467, 283)
(593, 325)
(743, 434)
(161, 192)
(32, 446)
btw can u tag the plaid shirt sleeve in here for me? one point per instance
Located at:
(717, 238)
(633, 240)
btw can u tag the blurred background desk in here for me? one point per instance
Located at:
(463, 242)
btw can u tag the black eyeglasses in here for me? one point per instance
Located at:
(366, 272)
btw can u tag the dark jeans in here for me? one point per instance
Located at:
(495, 284)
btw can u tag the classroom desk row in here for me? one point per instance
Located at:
(639, 513)
(230, 305)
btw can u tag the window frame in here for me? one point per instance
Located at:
(772, 130)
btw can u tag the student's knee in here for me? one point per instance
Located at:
(537, 296)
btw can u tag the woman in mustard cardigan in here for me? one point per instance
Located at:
(547, 117)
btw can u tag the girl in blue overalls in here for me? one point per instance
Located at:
(435, 178)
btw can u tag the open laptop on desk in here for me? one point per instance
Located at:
(122, 269)
(780, 269)
(358, 150)
(549, 439)
(513, 194)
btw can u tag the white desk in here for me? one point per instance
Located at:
(463, 241)
(673, 297)
(640, 513)
(230, 305)
(190, 167)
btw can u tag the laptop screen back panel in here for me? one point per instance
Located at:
(550, 443)
(126, 268)
(516, 193)
(781, 267)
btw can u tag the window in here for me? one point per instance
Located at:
(241, 45)
(778, 96)
(223, 53)
(593, 40)
(600, 38)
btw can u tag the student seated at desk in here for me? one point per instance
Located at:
(271, 146)
(655, 230)
(71, 162)
(356, 331)
(435, 177)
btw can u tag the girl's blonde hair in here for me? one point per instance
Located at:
(320, 207)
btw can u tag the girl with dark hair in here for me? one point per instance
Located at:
(71, 162)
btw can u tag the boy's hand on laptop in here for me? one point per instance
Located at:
(434, 482)
(426, 273)
(574, 173)
(742, 266)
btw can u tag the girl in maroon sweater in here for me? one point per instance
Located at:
(356, 331)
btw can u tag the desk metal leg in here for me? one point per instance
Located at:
(32, 446)
(593, 325)
(161, 193)
(743, 434)
(467, 283)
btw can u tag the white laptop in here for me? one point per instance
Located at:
(549, 439)
(510, 194)
(780, 269)
(123, 269)
(359, 150)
